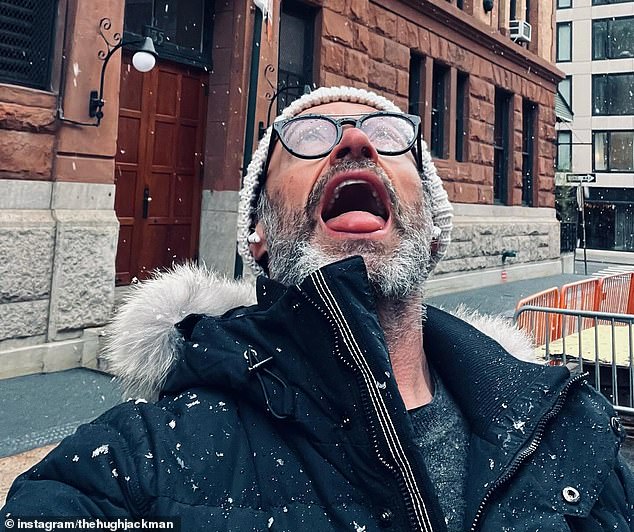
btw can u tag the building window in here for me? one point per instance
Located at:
(564, 151)
(564, 4)
(501, 146)
(529, 114)
(416, 97)
(295, 62)
(565, 89)
(513, 9)
(605, 2)
(462, 99)
(613, 38)
(181, 29)
(610, 218)
(439, 111)
(26, 42)
(612, 94)
(564, 41)
(613, 151)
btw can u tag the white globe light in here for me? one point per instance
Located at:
(143, 61)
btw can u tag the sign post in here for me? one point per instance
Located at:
(582, 192)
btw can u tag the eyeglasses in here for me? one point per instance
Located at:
(315, 136)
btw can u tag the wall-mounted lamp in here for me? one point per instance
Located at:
(143, 60)
(487, 5)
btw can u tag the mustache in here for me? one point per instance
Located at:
(314, 198)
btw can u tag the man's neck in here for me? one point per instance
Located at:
(403, 329)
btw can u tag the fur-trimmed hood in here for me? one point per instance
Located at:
(142, 342)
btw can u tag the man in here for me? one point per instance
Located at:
(337, 401)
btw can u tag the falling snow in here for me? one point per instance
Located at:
(100, 450)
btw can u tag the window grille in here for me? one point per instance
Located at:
(26, 40)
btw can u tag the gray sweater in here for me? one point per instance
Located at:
(443, 438)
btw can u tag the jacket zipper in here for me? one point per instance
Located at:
(417, 510)
(529, 449)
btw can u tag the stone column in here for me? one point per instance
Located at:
(58, 228)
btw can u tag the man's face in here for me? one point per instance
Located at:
(352, 201)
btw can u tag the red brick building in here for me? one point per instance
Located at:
(85, 208)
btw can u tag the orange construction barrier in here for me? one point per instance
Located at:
(540, 325)
(581, 295)
(614, 293)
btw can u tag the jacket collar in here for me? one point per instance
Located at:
(490, 386)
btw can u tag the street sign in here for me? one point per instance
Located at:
(581, 178)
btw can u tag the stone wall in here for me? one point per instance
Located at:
(27, 133)
(27, 229)
(483, 232)
(58, 241)
(58, 228)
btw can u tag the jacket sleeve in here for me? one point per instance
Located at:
(92, 473)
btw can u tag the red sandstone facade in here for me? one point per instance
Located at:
(60, 180)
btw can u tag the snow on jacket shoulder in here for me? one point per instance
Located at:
(284, 415)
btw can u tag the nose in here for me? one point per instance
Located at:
(354, 145)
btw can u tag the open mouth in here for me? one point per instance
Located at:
(355, 205)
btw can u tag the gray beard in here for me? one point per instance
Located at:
(396, 271)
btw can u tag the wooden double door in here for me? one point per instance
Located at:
(158, 167)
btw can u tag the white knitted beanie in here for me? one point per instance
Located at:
(442, 212)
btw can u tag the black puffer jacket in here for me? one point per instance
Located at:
(285, 416)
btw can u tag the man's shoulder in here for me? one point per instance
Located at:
(195, 405)
(143, 342)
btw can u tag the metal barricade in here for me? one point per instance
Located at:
(582, 295)
(605, 349)
(541, 327)
(614, 293)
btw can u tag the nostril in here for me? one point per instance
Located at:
(342, 152)
(366, 152)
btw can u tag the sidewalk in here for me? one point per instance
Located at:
(501, 298)
(38, 410)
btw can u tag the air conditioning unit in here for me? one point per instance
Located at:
(520, 31)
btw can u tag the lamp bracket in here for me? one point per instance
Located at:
(113, 42)
(273, 94)
(105, 25)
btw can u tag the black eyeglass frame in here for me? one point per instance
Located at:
(356, 122)
(339, 122)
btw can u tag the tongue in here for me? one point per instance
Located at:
(356, 222)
